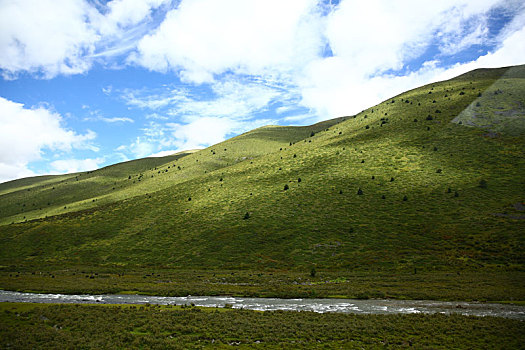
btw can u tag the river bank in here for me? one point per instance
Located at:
(484, 285)
(355, 306)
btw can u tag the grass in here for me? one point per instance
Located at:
(421, 209)
(152, 327)
(430, 285)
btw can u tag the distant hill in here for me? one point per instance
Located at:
(432, 178)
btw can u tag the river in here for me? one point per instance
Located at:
(356, 306)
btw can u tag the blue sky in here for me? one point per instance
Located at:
(86, 84)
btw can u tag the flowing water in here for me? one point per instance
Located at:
(356, 306)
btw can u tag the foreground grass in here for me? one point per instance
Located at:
(480, 285)
(159, 327)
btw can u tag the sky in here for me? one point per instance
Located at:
(89, 83)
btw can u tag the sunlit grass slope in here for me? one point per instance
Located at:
(38, 197)
(396, 187)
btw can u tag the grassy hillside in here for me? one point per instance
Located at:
(397, 187)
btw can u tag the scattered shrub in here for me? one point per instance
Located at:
(482, 183)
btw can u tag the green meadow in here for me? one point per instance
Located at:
(421, 196)
(52, 326)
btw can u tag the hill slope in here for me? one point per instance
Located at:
(396, 187)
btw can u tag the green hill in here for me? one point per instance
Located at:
(429, 180)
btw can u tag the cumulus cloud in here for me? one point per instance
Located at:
(51, 37)
(26, 134)
(33, 36)
(205, 37)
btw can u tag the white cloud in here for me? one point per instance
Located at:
(27, 133)
(140, 148)
(117, 120)
(48, 35)
(201, 132)
(122, 14)
(147, 100)
(206, 37)
(96, 115)
(51, 37)
(370, 39)
(234, 99)
(234, 106)
(63, 166)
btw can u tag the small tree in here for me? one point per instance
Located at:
(359, 191)
(405, 198)
(246, 216)
(483, 183)
(286, 187)
(313, 272)
(299, 180)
